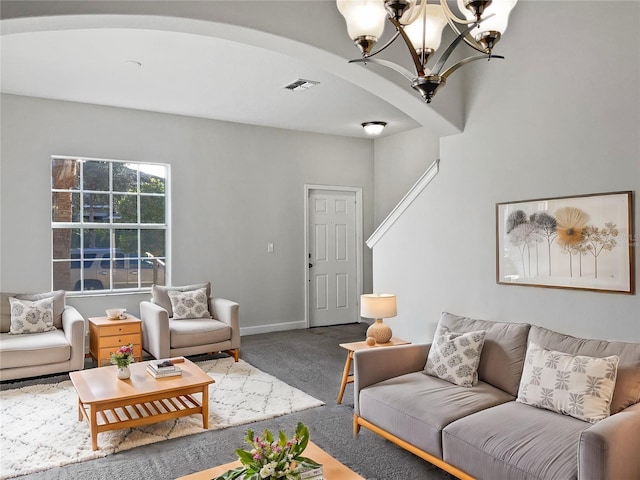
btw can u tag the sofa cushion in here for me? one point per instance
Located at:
(31, 316)
(569, 384)
(191, 304)
(200, 331)
(159, 294)
(505, 345)
(34, 349)
(454, 357)
(627, 389)
(515, 441)
(58, 297)
(5, 308)
(416, 407)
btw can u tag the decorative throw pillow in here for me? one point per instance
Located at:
(574, 385)
(191, 304)
(455, 357)
(31, 316)
(160, 294)
(58, 303)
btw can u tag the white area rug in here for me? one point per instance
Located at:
(39, 427)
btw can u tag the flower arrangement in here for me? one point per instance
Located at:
(270, 458)
(123, 356)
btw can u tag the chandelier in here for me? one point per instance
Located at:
(420, 24)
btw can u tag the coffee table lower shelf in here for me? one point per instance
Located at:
(116, 415)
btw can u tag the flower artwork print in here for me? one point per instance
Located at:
(582, 242)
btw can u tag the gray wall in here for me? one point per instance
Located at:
(234, 188)
(560, 116)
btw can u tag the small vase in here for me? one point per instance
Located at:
(124, 372)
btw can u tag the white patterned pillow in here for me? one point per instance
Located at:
(579, 386)
(455, 357)
(191, 304)
(31, 316)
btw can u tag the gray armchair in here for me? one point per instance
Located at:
(164, 335)
(35, 354)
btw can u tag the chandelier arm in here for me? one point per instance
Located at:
(386, 63)
(469, 40)
(439, 65)
(463, 62)
(415, 14)
(395, 35)
(451, 17)
(407, 41)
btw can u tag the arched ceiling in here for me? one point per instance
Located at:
(232, 70)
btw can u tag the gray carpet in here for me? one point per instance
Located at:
(310, 360)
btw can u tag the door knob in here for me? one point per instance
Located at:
(310, 265)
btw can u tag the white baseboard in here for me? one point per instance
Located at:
(273, 327)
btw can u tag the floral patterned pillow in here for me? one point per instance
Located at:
(455, 357)
(190, 304)
(574, 385)
(31, 316)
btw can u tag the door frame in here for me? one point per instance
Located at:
(359, 243)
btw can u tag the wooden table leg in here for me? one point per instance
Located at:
(93, 427)
(345, 376)
(205, 407)
(80, 411)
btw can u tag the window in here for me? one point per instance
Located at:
(109, 224)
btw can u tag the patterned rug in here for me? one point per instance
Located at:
(40, 427)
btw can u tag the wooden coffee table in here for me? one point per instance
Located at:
(107, 403)
(332, 469)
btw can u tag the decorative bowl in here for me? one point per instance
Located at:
(115, 312)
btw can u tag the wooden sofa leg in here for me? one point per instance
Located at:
(234, 352)
(356, 425)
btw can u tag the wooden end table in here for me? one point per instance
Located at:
(107, 335)
(107, 403)
(332, 469)
(355, 346)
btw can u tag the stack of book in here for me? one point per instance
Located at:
(163, 368)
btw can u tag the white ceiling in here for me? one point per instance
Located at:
(188, 74)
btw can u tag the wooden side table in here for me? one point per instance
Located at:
(355, 346)
(106, 336)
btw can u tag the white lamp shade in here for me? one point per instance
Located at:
(499, 8)
(373, 128)
(432, 22)
(378, 306)
(363, 17)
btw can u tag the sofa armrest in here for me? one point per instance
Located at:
(611, 447)
(374, 365)
(155, 329)
(74, 327)
(227, 312)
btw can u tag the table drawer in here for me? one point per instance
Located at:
(120, 329)
(120, 340)
(105, 353)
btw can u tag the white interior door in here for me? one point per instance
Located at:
(333, 266)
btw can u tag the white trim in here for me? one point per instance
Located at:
(273, 327)
(407, 200)
(359, 237)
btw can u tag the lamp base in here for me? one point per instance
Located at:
(380, 331)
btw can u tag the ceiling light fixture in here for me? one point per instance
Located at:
(374, 128)
(420, 24)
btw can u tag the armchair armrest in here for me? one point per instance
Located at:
(74, 327)
(155, 329)
(374, 365)
(611, 447)
(227, 312)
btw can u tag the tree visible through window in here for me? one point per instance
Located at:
(109, 222)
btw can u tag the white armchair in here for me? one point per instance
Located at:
(166, 333)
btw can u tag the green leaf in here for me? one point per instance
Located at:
(245, 457)
(231, 474)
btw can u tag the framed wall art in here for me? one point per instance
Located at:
(580, 242)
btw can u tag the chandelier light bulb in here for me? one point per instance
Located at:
(365, 20)
(500, 9)
(425, 32)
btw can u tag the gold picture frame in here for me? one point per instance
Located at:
(583, 242)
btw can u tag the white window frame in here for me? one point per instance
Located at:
(83, 225)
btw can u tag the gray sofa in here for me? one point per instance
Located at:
(35, 354)
(481, 431)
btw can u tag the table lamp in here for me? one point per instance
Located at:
(378, 306)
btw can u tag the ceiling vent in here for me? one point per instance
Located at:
(300, 85)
